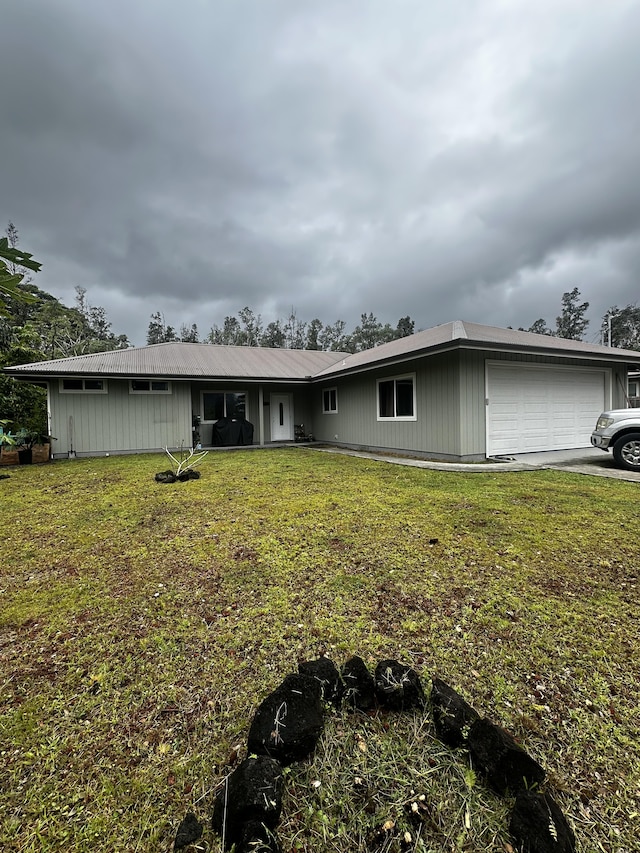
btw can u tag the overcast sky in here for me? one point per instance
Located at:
(449, 159)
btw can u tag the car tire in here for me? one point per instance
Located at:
(626, 451)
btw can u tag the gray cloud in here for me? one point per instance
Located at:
(459, 160)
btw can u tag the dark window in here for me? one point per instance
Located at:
(385, 397)
(148, 386)
(404, 398)
(330, 400)
(84, 385)
(235, 406)
(396, 398)
(218, 404)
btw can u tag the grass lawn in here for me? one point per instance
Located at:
(141, 624)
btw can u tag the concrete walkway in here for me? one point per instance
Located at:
(587, 460)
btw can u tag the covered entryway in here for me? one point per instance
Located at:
(281, 406)
(531, 408)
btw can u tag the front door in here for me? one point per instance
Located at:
(281, 417)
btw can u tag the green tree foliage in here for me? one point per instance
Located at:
(406, 326)
(539, 328)
(274, 336)
(189, 334)
(314, 329)
(572, 322)
(293, 333)
(36, 326)
(367, 334)
(334, 339)
(158, 332)
(251, 328)
(14, 277)
(625, 327)
(229, 335)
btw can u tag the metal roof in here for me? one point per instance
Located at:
(460, 334)
(207, 361)
(188, 361)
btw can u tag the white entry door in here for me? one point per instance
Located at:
(281, 417)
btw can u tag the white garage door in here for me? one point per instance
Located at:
(541, 408)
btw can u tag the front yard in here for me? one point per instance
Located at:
(141, 624)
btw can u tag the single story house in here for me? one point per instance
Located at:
(459, 391)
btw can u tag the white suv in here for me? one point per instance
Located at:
(619, 430)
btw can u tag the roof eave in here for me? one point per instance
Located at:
(621, 357)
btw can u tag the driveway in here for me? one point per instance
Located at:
(585, 460)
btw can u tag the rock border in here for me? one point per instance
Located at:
(288, 723)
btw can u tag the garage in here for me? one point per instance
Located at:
(535, 408)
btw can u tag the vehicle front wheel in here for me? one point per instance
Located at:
(626, 451)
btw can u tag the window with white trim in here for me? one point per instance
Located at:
(330, 401)
(149, 386)
(397, 398)
(76, 385)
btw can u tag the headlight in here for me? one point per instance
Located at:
(603, 423)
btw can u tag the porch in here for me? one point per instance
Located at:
(230, 415)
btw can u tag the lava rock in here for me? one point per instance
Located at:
(398, 687)
(326, 673)
(452, 716)
(257, 838)
(359, 688)
(539, 826)
(503, 761)
(189, 831)
(252, 793)
(289, 722)
(183, 476)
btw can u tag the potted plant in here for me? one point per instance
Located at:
(33, 446)
(8, 449)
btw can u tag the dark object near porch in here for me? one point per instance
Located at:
(300, 433)
(538, 825)
(231, 433)
(165, 477)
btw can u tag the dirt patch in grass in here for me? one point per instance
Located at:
(140, 626)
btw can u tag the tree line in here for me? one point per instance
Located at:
(620, 327)
(247, 329)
